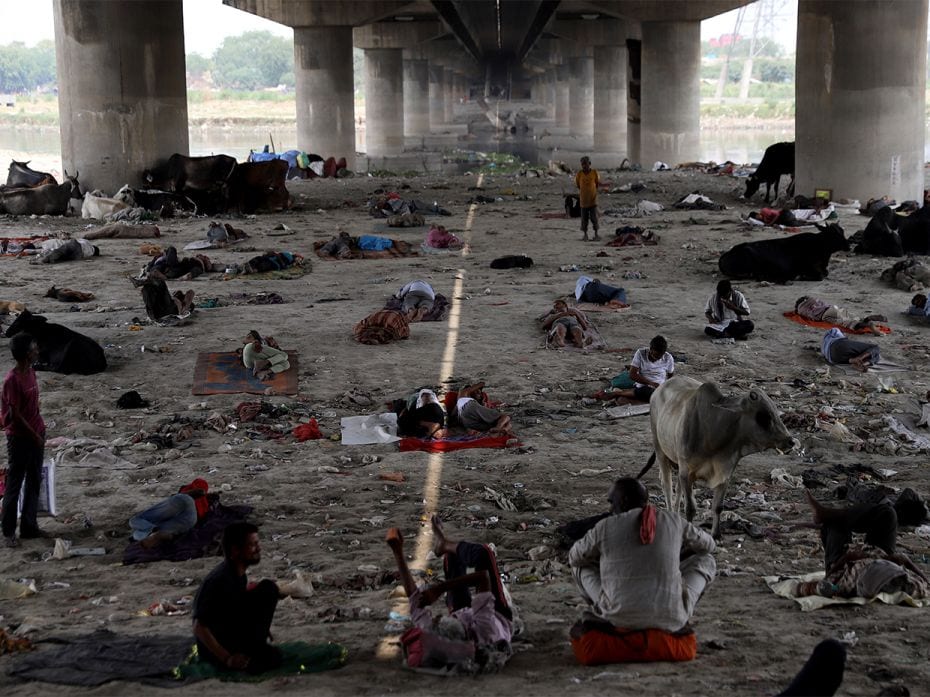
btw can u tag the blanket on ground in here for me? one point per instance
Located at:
(123, 231)
(298, 657)
(382, 327)
(101, 657)
(199, 541)
(795, 317)
(439, 311)
(224, 373)
(446, 445)
(880, 367)
(786, 587)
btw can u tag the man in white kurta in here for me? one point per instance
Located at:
(637, 584)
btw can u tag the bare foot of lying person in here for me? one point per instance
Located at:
(266, 375)
(617, 303)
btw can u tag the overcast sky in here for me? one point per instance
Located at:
(208, 22)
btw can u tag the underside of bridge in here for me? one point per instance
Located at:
(616, 78)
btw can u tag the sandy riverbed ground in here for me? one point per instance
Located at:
(325, 512)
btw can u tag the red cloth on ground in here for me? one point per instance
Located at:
(633, 646)
(444, 446)
(647, 524)
(795, 317)
(308, 431)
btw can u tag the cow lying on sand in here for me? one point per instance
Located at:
(61, 350)
(703, 434)
(802, 256)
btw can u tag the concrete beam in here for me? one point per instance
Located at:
(395, 34)
(325, 13)
(600, 32)
(655, 10)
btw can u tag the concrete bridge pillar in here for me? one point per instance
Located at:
(384, 101)
(437, 104)
(323, 74)
(416, 97)
(122, 92)
(581, 98)
(562, 96)
(610, 66)
(448, 98)
(861, 80)
(671, 97)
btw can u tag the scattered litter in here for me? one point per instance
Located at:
(780, 476)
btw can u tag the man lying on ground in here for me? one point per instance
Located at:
(269, 261)
(862, 570)
(642, 567)
(727, 312)
(486, 620)
(417, 299)
(172, 516)
(264, 360)
(591, 290)
(232, 623)
(420, 415)
(54, 251)
(339, 247)
(563, 323)
(839, 350)
(476, 417)
(186, 269)
(159, 302)
(818, 310)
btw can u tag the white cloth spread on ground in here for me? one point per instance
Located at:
(370, 429)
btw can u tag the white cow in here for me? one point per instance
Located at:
(98, 206)
(703, 434)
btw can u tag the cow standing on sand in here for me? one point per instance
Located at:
(777, 160)
(703, 434)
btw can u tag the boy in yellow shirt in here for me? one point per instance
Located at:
(587, 180)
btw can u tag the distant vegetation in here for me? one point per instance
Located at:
(27, 68)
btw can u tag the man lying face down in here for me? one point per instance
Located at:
(642, 567)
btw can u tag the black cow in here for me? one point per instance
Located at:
(180, 172)
(22, 175)
(777, 160)
(48, 199)
(880, 236)
(61, 350)
(801, 256)
(259, 185)
(163, 202)
(915, 231)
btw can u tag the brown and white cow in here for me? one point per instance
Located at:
(703, 434)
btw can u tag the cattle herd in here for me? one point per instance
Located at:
(206, 185)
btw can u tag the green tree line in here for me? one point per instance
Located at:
(250, 61)
(27, 68)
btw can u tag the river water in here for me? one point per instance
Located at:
(42, 145)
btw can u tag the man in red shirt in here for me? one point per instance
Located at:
(25, 440)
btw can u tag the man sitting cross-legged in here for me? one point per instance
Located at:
(486, 619)
(642, 567)
(232, 623)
